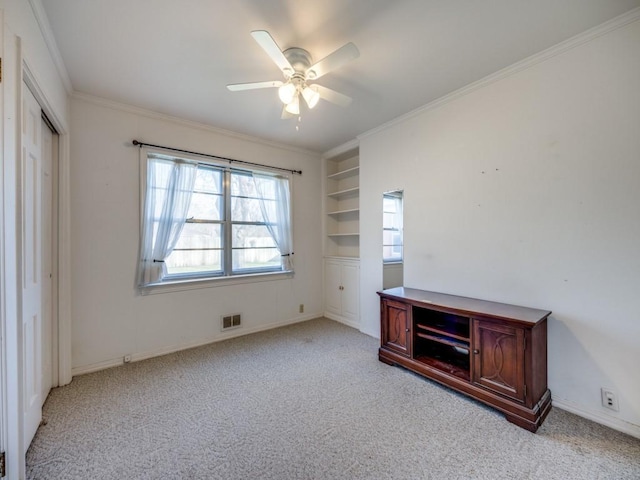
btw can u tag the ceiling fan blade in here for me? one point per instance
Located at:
(334, 60)
(270, 46)
(333, 96)
(236, 87)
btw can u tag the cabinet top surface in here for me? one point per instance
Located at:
(466, 305)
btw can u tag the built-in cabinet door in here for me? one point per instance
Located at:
(341, 289)
(350, 288)
(498, 358)
(332, 291)
(396, 326)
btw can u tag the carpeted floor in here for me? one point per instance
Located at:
(308, 401)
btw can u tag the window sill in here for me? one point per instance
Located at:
(198, 283)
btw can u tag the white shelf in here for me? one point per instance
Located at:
(342, 257)
(349, 172)
(344, 212)
(344, 193)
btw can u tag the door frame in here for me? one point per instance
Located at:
(62, 314)
(16, 72)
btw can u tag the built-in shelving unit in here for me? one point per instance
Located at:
(341, 202)
(342, 205)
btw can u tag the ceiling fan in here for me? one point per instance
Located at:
(295, 64)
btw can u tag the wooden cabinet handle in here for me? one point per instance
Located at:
(476, 352)
(406, 330)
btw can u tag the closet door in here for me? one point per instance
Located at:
(31, 265)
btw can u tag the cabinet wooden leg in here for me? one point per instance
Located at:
(384, 360)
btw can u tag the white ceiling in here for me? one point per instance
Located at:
(176, 57)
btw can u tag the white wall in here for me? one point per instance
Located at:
(110, 319)
(392, 275)
(20, 20)
(526, 191)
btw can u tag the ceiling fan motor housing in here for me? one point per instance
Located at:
(300, 60)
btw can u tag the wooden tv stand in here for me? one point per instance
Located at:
(493, 352)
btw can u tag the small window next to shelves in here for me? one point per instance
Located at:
(392, 235)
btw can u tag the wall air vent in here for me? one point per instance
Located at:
(231, 321)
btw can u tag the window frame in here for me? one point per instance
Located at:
(226, 276)
(391, 260)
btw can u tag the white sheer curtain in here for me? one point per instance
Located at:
(169, 188)
(277, 214)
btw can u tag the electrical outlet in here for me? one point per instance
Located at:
(609, 399)
(302, 308)
(126, 358)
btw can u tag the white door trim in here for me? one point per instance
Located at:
(63, 315)
(12, 314)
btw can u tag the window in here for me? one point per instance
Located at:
(203, 220)
(392, 243)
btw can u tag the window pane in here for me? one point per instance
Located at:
(266, 187)
(392, 253)
(208, 180)
(199, 249)
(246, 210)
(254, 248)
(388, 220)
(391, 237)
(256, 258)
(205, 206)
(251, 236)
(242, 184)
(389, 204)
(245, 197)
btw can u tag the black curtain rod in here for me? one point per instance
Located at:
(230, 160)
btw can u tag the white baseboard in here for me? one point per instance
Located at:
(371, 333)
(345, 321)
(136, 357)
(599, 417)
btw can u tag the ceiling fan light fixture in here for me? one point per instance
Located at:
(287, 92)
(293, 106)
(311, 95)
(296, 65)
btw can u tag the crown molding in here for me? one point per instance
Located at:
(50, 41)
(340, 149)
(124, 107)
(560, 48)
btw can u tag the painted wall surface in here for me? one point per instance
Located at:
(20, 20)
(526, 191)
(110, 319)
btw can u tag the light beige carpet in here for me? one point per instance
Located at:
(308, 401)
